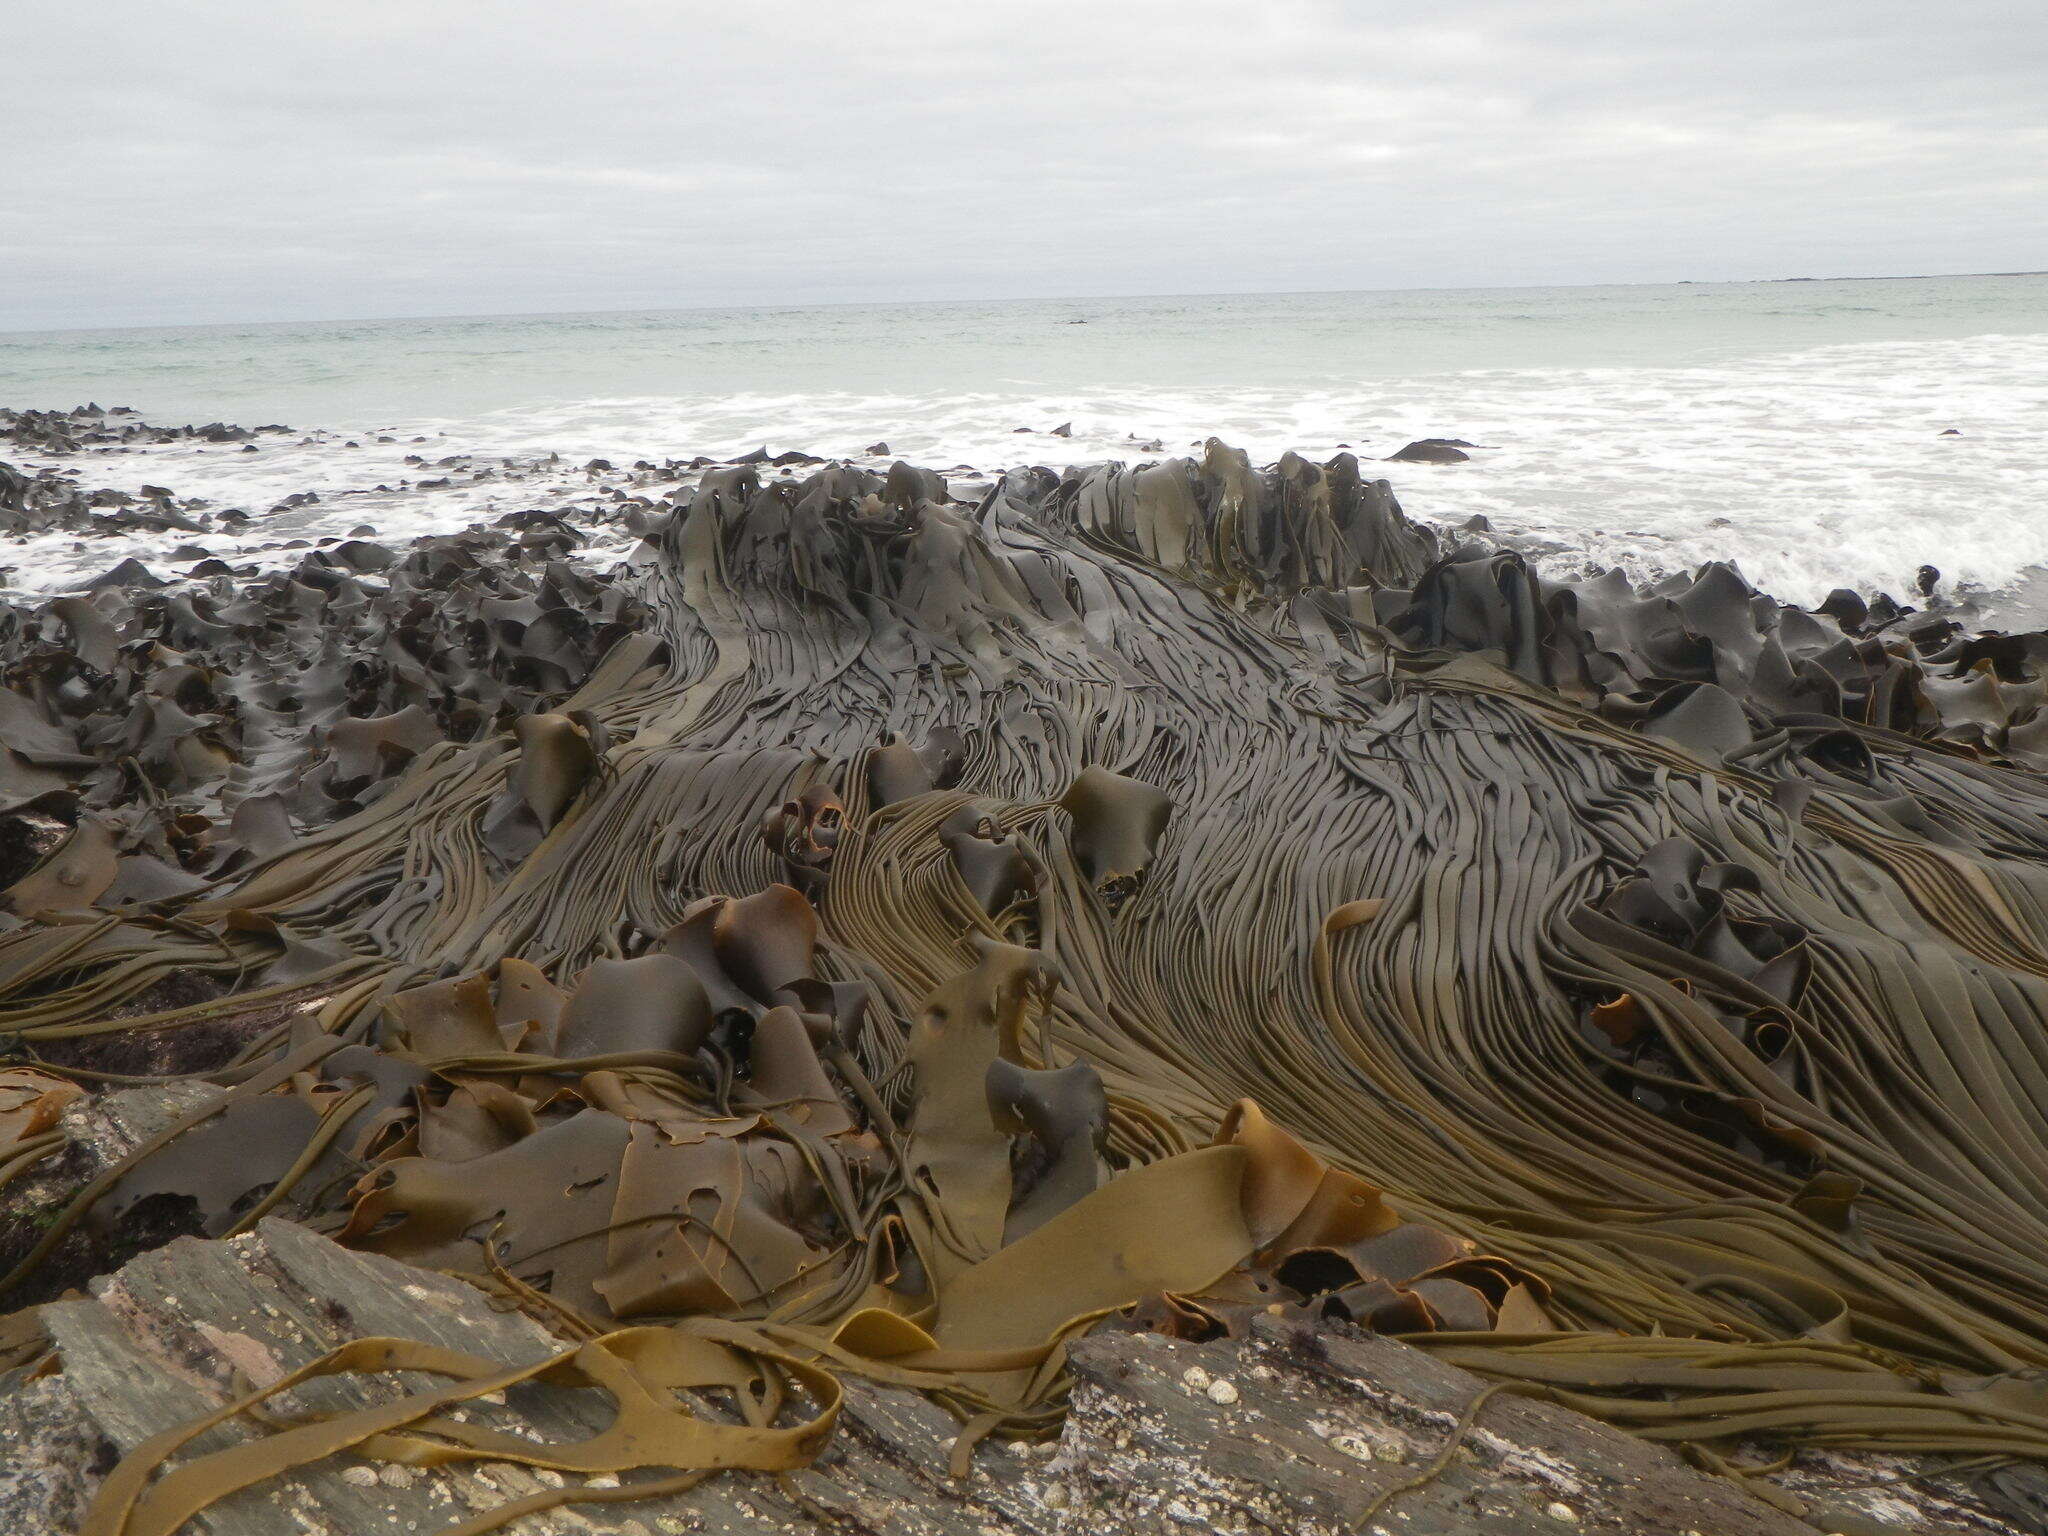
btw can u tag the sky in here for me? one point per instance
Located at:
(220, 162)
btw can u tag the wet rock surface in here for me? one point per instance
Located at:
(91, 426)
(1303, 1428)
(177, 1333)
(1292, 1429)
(42, 500)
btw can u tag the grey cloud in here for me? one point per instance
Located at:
(236, 161)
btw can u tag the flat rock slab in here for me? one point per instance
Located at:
(180, 1331)
(1314, 1423)
(1292, 1430)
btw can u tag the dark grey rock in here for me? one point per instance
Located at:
(1294, 1430)
(1431, 450)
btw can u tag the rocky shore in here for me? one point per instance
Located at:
(1166, 996)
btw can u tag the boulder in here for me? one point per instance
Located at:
(1432, 450)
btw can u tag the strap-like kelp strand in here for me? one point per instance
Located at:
(639, 1372)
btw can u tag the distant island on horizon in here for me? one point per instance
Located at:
(1897, 277)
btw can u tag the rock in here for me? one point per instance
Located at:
(27, 834)
(879, 450)
(1431, 450)
(98, 1133)
(1064, 429)
(1310, 1425)
(108, 1127)
(1325, 1418)
(166, 1335)
(51, 1457)
(129, 573)
(87, 426)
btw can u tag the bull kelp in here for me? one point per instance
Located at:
(887, 935)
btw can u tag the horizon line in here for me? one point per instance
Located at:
(1078, 298)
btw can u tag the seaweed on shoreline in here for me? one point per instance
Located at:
(893, 934)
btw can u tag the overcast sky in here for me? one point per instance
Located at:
(211, 162)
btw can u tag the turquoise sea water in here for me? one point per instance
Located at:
(1793, 426)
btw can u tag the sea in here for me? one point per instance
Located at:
(1819, 434)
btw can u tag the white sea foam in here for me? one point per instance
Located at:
(1812, 469)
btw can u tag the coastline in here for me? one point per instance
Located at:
(1178, 898)
(89, 500)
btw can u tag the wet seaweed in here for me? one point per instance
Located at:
(889, 935)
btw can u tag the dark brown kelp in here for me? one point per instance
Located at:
(890, 935)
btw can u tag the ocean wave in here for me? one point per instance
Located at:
(1813, 469)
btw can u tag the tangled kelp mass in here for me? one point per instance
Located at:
(888, 935)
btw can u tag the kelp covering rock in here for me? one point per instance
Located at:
(889, 936)
(42, 500)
